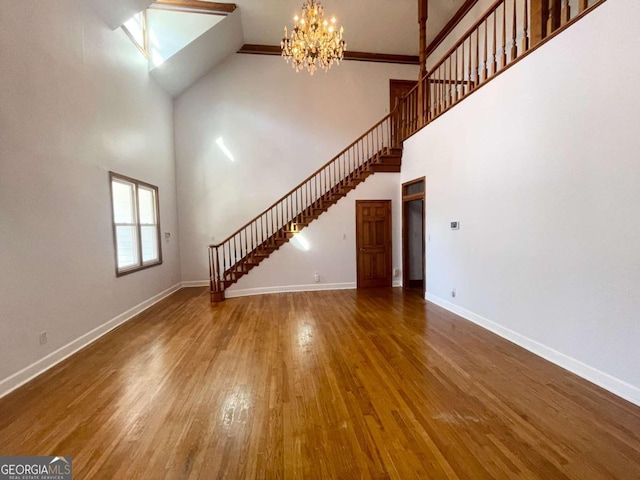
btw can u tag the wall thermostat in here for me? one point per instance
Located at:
(455, 225)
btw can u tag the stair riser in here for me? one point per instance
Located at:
(390, 161)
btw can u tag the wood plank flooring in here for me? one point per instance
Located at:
(327, 385)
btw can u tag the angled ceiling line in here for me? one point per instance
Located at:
(348, 55)
(195, 6)
(451, 24)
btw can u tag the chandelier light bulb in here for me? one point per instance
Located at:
(313, 42)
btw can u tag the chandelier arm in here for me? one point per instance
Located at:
(313, 41)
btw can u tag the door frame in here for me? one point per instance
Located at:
(405, 237)
(392, 82)
(390, 246)
(398, 119)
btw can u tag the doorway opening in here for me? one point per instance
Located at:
(413, 241)
(397, 90)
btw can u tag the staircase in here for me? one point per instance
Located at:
(500, 37)
(377, 150)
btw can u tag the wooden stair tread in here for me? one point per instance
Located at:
(385, 160)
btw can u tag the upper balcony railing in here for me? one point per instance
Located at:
(498, 39)
(502, 35)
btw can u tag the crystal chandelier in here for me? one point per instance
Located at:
(314, 41)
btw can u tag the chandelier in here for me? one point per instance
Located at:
(314, 41)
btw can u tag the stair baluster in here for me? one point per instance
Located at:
(379, 149)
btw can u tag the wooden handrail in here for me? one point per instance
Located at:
(463, 39)
(306, 180)
(467, 34)
(452, 79)
(246, 247)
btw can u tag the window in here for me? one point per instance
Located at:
(136, 224)
(415, 187)
(136, 29)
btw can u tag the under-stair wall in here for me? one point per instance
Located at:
(541, 168)
(279, 126)
(326, 246)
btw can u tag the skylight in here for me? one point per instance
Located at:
(160, 34)
(136, 29)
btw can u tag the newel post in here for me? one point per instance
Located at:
(216, 285)
(422, 21)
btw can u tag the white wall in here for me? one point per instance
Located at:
(280, 127)
(331, 243)
(465, 23)
(203, 54)
(75, 102)
(170, 31)
(541, 167)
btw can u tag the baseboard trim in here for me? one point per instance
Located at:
(614, 385)
(312, 287)
(195, 283)
(37, 368)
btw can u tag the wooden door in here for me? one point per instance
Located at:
(373, 243)
(397, 90)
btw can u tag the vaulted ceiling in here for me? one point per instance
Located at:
(373, 26)
(378, 26)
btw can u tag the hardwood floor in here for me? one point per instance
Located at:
(344, 385)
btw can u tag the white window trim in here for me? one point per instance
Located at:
(142, 265)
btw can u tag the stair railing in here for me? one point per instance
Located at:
(494, 41)
(286, 214)
(500, 37)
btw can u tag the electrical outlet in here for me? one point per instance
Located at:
(43, 338)
(316, 276)
(453, 293)
(396, 272)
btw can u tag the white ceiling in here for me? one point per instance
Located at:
(116, 12)
(171, 31)
(377, 26)
(206, 51)
(374, 26)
